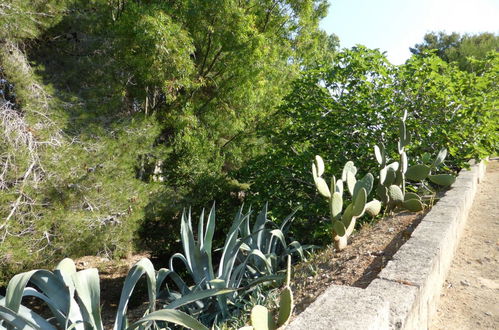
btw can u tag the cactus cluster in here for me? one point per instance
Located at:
(391, 187)
(343, 221)
(423, 171)
(263, 319)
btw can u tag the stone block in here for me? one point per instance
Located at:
(342, 307)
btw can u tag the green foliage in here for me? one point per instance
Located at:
(392, 185)
(450, 108)
(460, 49)
(340, 107)
(344, 222)
(22, 19)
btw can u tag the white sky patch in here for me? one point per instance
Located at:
(395, 25)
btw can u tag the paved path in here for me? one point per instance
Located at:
(470, 296)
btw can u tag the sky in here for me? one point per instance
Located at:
(395, 25)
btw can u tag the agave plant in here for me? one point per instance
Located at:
(73, 298)
(248, 257)
(269, 238)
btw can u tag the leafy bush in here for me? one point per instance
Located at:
(342, 108)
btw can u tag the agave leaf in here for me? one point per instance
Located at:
(163, 274)
(298, 248)
(49, 283)
(88, 289)
(58, 314)
(171, 316)
(287, 221)
(230, 251)
(260, 226)
(276, 235)
(199, 295)
(442, 179)
(17, 321)
(142, 267)
(191, 252)
(25, 314)
(208, 239)
(200, 243)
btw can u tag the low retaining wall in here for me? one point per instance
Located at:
(405, 293)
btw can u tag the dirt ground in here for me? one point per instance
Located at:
(367, 253)
(470, 296)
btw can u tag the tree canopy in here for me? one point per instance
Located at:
(458, 48)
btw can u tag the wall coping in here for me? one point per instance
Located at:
(405, 293)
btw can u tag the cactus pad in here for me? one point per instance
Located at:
(442, 179)
(413, 205)
(373, 207)
(417, 172)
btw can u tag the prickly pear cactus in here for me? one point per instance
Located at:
(343, 221)
(391, 186)
(263, 319)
